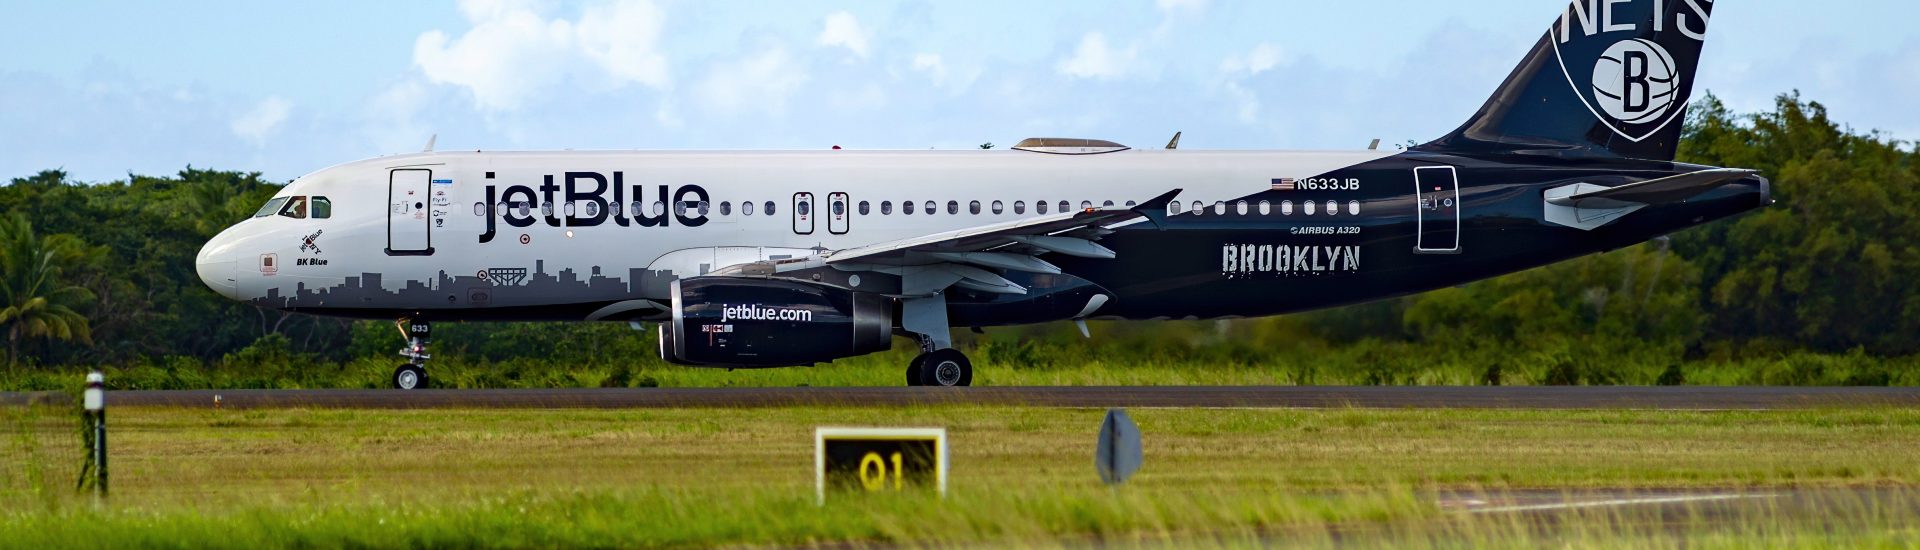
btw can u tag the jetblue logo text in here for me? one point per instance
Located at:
(1241, 260)
(758, 313)
(600, 201)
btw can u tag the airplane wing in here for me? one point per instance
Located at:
(967, 257)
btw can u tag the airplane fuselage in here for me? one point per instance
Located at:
(562, 235)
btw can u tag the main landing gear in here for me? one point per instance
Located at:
(938, 363)
(412, 375)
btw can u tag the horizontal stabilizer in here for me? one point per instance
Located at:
(1660, 190)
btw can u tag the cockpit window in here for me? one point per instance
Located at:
(296, 208)
(272, 207)
(322, 208)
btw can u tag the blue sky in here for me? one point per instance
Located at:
(105, 88)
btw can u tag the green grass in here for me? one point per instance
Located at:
(695, 477)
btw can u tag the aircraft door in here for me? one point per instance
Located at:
(409, 228)
(803, 213)
(837, 213)
(1437, 189)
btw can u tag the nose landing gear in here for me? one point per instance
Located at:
(412, 374)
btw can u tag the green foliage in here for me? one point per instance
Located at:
(1810, 291)
(36, 299)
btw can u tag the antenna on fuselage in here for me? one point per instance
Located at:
(1175, 142)
(430, 140)
(1375, 145)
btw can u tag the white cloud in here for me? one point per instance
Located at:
(759, 82)
(932, 64)
(393, 117)
(263, 120)
(1172, 5)
(845, 31)
(513, 50)
(1263, 57)
(1095, 59)
(621, 37)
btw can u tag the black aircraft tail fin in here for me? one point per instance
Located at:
(1611, 77)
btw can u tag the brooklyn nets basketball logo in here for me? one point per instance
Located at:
(1635, 81)
(1628, 60)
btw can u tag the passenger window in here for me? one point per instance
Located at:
(1219, 207)
(593, 208)
(863, 208)
(1019, 207)
(906, 207)
(839, 208)
(746, 208)
(997, 207)
(1199, 208)
(1266, 208)
(768, 208)
(1108, 204)
(886, 207)
(931, 208)
(1039, 207)
(804, 208)
(704, 207)
(1086, 205)
(568, 209)
(546, 209)
(1131, 204)
(479, 209)
(659, 208)
(973, 208)
(1240, 208)
(1286, 208)
(323, 208)
(1065, 206)
(272, 207)
(726, 208)
(524, 207)
(1173, 208)
(296, 208)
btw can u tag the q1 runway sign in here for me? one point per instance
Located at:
(879, 459)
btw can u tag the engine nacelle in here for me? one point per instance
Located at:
(745, 322)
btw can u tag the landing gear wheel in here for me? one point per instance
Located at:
(913, 369)
(409, 377)
(945, 367)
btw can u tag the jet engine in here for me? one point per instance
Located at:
(749, 322)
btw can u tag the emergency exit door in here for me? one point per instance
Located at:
(409, 228)
(803, 213)
(1438, 210)
(837, 213)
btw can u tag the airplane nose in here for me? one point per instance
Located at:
(215, 265)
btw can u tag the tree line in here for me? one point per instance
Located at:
(101, 273)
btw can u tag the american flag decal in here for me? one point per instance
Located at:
(1283, 184)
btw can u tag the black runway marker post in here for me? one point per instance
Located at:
(94, 400)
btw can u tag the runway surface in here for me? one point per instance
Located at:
(1517, 397)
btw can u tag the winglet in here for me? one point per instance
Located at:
(1155, 209)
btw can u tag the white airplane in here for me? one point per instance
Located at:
(761, 259)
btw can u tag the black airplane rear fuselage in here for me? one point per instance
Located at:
(1195, 266)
